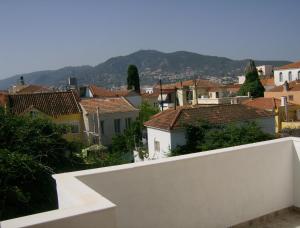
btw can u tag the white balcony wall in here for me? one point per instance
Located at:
(218, 188)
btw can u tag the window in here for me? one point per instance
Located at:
(290, 76)
(156, 146)
(117, 123)
(74, 128)
(280, 77)
(291, 97)
(299, 75)
(102, 126)
(33, 114)
(127, 122)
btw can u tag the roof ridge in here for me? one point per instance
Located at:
(175, 118)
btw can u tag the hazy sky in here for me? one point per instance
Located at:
(39, 34)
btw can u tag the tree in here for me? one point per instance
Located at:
(31, 150)
(133, 79)
(205, 136)
(252, 82)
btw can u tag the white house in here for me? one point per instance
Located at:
(289, 72)
(106, 117)
(166, 130)
(93, 91)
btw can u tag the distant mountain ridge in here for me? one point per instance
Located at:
(152, 65)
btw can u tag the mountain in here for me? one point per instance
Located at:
(152, 65)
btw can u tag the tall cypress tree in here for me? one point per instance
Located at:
(252, 82)
(133, 79)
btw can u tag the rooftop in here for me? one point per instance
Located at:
(289, 66)
(200, 83)
(107, 105)
(218, 114)
(33, 89)
(53, 104)
(103, 92)
(263, 103)
(230, 187)
(293, 86)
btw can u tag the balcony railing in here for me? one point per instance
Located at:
(218, 188)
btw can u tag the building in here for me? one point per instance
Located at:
(59, 107)
(289, 89)
(264, 71)
(166, 130)
(289, 72)
(26, 89)
(93, 91)
(268, 104)
(3, 98)
(254, 185)
(268, 83)
(106, 117)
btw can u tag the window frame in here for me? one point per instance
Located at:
(280, 77)
(156, 145)
(290, 76)
(117, 126)
(128, 122)
(102, 127)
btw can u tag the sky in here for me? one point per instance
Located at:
(50, 34)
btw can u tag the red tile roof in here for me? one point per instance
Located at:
(267, 81)
(263, 103)
(34, 89)
(103, 92)
(219, 114)
(53, 104)
(289, 66)
(107, 105)
(293, 86)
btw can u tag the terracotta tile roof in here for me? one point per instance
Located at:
(219, 114)
(34, 89)
(293, 86)
(263, 103)
(53, 104)
(103, 92)
(267, 81)
(289, 66)
(233, 88)
(107, 105)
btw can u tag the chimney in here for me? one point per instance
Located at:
(284, 104)
(285, 86)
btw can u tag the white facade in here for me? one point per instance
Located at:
(107, 120)
(218, 188)
(161, 142)
(280, 76)
(265, 70)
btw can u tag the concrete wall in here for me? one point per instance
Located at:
(285, 73)
(211, 189)
(163, 137)
(136, 101)
(219, 188)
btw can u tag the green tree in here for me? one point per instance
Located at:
(133, 79)
(252, 82)
(205, 136)
(31, 149)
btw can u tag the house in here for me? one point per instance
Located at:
(289, 89)
(267, 82)
(268, 104)
(93, 91)
(289, 72)
(59, 107)
(166, 130)
(32, 89)
(106, 117)
(264, 71)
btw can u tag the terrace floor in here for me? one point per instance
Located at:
(287, 218)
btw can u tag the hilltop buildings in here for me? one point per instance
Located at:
(289, 72)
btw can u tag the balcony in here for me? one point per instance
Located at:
(219, 188)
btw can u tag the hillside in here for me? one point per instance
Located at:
(152, 66)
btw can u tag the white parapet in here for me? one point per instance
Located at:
(218, 188)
